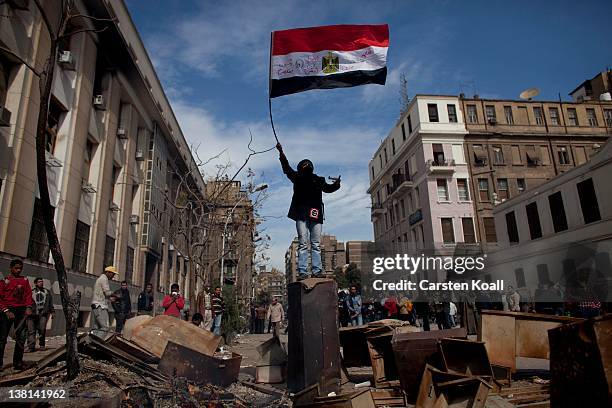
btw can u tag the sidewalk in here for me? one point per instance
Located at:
(52, 344)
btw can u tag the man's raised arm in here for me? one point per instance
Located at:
(285, 163)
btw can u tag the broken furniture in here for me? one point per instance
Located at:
(314, 345)
(271, 368)
(412, 351)
(466, 357)
(182, 361)
(440, 389)
(581, 363)
(508, 335)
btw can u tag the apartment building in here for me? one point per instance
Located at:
(115, 155)
(357, 252)
(558, 232)
(333, 255)
(272, 282)
(230, 229)
(515, 145)
(419, 180)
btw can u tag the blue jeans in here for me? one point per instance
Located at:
(357, 320)
(304, 230)
(216, 326)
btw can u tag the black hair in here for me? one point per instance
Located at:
(124, 282)
(305, 166)
(37, 279)
(217, 287)
(197, 316)
(174, 285)
(16, 261)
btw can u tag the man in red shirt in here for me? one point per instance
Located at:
(15, 306)
(174, 302)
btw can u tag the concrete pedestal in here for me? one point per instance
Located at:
(314, 344)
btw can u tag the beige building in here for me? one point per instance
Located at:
(115, 155)
(357, 252)
(516, 145)
(332, 256)
(272, 282)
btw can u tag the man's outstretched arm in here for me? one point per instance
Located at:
(285, 163)
(330, 188)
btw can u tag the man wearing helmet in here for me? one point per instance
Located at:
(307, 210)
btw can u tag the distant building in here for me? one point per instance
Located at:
(356, 253)
(596, 88)
(332, 256)
(272, 282)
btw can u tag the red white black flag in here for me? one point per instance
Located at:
(328, 57)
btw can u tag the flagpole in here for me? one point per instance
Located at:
(270, 88)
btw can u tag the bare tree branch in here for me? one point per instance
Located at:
(109, 20)
(84, 30)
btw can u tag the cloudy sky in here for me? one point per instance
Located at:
(212, 58)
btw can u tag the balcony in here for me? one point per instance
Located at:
(400, 184)
(377, 209)
(445, 166)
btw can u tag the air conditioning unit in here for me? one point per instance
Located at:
(5, 117)
(66, 60)
(140, 155)
(88, 187)
(53, 162)
(98, 102)
(134, 219)
(121, 133)
(113, 207)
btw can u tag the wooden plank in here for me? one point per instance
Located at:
(154, 335)
(530, 398)
(536, 387)
(498, 332)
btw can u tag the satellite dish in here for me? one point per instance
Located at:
(529, 94)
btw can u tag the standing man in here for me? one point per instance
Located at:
(353, 305)
(145, 301)
(307, 210)
(16, 305)
(99, 305)
(204, 307)
(217, 308)
(261, 318)
(122, 306)
(276, 315)
(41, 310)
(174, 302)
(514, 300)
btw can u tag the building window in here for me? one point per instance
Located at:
(409, 125)
(519, 274)
(462, 188)
(442, 190)
(572, 117)
(81, 244)
(520, 185)
(386, 157)
(508, 113)
(563, 155)
(417, 199)
(513, 235)
(432, 109)
(588, 201)
(393, 146)
(452, 113)
(54, 121)
(380, 160)
(372, 172)
(502, 189)
(109, 251)
(469, 237)
(438, 154)
(403, 208)
(129, 264)
(472, 114)
(483, 189)
(543, 275)
(490, 114)
(38, 247)
(480, 156)
(539, 118)
(448, 233)
(489, 228)
(516, 154)
(533, 219)
(591, 117)
(608, 116)
(403, 132)
(557, 211)
(498, 155)
(554, 116)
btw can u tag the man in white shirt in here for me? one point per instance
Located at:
(99, 303)
(276, 315)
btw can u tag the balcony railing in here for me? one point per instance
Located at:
(446, 165)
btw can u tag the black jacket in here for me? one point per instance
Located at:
(308, 189)
(46, 300)
(145, 302)
(123, 304)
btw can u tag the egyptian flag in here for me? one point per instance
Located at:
(328, 57)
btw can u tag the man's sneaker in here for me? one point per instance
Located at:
(302, 277)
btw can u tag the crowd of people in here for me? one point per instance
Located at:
(273, 314)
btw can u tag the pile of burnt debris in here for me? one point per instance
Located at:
(166, 362)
